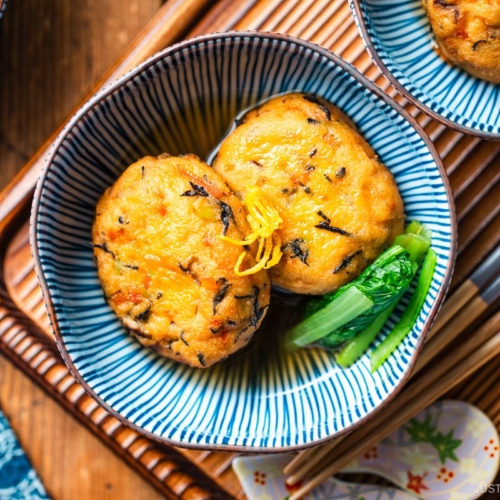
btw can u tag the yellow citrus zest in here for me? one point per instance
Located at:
(264, 220)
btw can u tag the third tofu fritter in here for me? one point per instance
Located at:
(468, 34)
(340, 206)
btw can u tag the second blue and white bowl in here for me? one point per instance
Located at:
(182, 100)
(399, 37)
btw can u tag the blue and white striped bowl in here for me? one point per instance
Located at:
(399, 37)
(182, 100)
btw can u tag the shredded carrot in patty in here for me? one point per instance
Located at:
(264, 220)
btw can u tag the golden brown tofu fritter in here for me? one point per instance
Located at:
(468, 34)
(340, 206)
(165, 272)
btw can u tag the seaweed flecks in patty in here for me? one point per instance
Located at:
(468, 34)
(166, 273)
(356, 194)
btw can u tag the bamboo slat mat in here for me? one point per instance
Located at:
(473, 166)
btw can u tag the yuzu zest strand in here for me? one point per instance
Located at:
(264, 220)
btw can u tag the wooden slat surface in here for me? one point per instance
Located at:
(473, 166)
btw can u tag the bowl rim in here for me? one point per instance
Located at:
(360, 21)
(112, 87)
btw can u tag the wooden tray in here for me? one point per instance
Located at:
(25, 337)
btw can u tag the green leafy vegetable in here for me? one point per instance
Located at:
(416, 227)
(316, 304)
(410, 315)
(357, 311)
(347, 306)
(383, 282)
(416, 240)
(357, 346)
(416, 245)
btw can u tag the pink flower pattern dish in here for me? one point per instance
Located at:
(449, 451)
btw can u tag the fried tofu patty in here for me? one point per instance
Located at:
(164, 271)
(340, 206)
(468, 34)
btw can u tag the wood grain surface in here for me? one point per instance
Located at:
(50, 53)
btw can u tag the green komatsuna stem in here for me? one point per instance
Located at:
(357, 346)
(416, 227)
(340, 311)
(410, 315)
(415, 244)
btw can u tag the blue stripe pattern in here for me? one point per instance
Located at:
(182, 101)
(401, 35)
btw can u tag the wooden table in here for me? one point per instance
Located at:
(50, 53)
